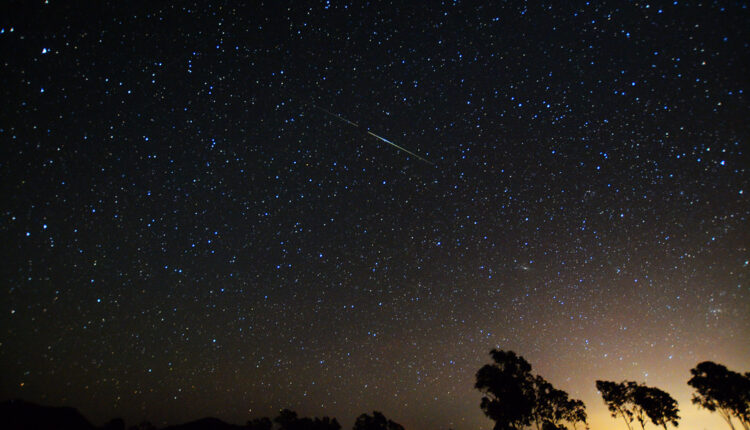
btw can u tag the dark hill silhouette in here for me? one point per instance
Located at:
(23, 415)
(206, 424)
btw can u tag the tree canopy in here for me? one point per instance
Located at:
(637, 402)
(659, 406)
(721, 390)
(288, 420)
(514, 398)
(377, 421)
(616, 397)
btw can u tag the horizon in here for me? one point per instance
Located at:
(691, 417)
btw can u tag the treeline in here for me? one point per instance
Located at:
(515, 398)
(288, 420)
(512, 396)
(22, 415)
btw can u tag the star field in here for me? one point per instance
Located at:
(185, 234)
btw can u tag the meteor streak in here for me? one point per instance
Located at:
(337, 116)
(400, 148)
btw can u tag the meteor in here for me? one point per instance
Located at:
(353, 124)
(336, 116)
(399, 147)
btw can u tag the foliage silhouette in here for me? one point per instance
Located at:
(659, 406)
(375, 422)
(508, 393)
(575, 413)
(514, 398)
(616, 397)
(553, 407)
(22, 415)
(288, 420)
(633, 401)
(259, 424)
(722, 390)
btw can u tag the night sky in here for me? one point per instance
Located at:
(188, 229)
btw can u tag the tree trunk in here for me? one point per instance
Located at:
(727, 418)
(622, 414)
(745, 424)
(641, 419)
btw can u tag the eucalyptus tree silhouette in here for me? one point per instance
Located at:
(638, 402)
(259, 424)
(514, 398)
(288, 420)
(721, 390)
(617, 399)
(659, 406)
(552, 407)
(508, 390)
(375, 422)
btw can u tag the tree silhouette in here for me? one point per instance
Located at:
(633, 401)
(515, 398)
(375, 422)
(617, 399)
(659, 406)
(325, 423)
(553, 407)
(575, 412)
(288, 420)
(508, 390)
(720, 389)
(259, 424)
(572, 411)
(636, 398)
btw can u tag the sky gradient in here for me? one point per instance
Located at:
(189, 227)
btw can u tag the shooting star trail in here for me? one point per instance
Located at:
(337, 116)
(400, 148)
